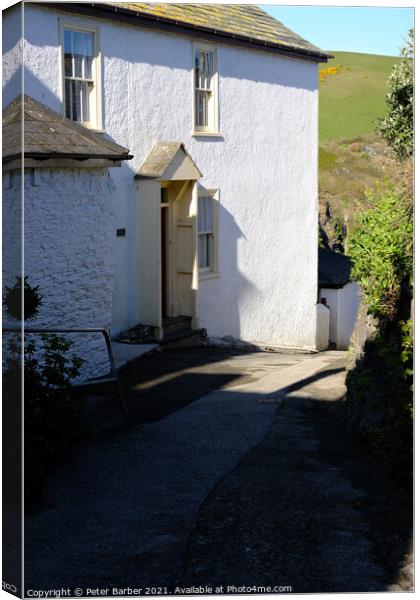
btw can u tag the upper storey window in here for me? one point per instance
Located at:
(205, 90)
(81, 76)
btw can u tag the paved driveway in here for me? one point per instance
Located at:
(237, 471)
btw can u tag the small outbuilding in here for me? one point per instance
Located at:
(68, 216)
(339, 294)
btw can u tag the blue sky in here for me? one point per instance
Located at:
(372, 30)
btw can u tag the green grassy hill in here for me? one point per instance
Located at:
(352, 92)
(352, 157)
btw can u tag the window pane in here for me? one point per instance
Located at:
(202, 109)
(200, 216)
(67, 41)
(205, 215)
(88, 46)
(209, 214)
(209, 70)
(88, 67)
(77, 49)
(68, 99)
(76, 104)
(197, 69)
(209, 249)
(203, 259)
(68, 68)
(84, 90)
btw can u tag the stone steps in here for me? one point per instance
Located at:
(182, 338)
(177, 332)
(172, 325)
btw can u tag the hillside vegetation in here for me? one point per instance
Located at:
(352, 157)
(352, 90)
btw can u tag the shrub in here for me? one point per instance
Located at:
(397, 126)
(380, 394)
(13, 300)
(51, 417)
(381, 246)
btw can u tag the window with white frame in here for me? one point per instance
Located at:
(205, 90)
(207, 231)
(81, 80)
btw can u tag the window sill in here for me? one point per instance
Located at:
(211, 134)
(208, 275)
(93, 128)
(89, 126)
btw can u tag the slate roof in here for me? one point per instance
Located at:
(237, 22)
(333, 269)
(159, 159)
(48, 134)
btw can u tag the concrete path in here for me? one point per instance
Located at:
(126, 353)
(240, 486)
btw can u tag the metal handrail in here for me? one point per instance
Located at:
(103, 331)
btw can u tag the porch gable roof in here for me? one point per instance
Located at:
(169, 161)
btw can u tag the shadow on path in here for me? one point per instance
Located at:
(305, 508)
(247, 485)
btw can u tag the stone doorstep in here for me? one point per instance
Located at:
(146, 334)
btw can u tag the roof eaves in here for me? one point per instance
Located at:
(41, 156)
(146, 19)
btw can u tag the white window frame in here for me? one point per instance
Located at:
(212, 129)
(95, 108)
(212, 270)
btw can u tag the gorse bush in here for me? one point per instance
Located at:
(397, 126)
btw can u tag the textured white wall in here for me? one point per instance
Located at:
(12, 50)
(348, 307)
(322, 327)
(264, 163)
(344, 305)
(11, 227)
(331, 296)
(69, 236)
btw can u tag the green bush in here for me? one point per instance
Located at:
(52, 418)
(397, 126)
(381, 247)
(380, 393)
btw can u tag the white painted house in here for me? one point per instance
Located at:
(215, 216)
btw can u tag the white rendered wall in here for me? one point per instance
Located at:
(344, 305)
(12, 49)
(11, 228)
(322, 327)
(349, 301)
(69, 238)
(264, 164)
(331, 296)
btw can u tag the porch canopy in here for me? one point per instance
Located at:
(169, 161)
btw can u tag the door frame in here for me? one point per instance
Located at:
(189, 187)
